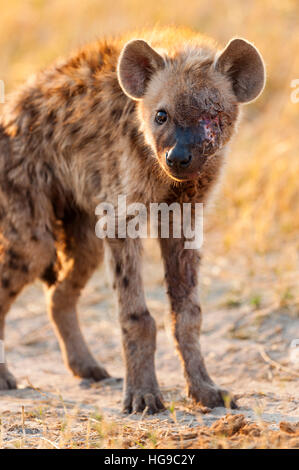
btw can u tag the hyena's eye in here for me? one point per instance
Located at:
(161, 117)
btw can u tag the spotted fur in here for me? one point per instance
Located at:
(73, 136)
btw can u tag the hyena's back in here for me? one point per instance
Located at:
(55, 136)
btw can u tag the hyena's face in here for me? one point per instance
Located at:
(189, 103)
(187, 116)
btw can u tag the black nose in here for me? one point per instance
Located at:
(178, 157)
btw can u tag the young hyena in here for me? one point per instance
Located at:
(149, 119)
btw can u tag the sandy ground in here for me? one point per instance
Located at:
(238, 340)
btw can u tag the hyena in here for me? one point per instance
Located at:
(147, 118)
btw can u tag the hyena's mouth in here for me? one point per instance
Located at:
(181, 176)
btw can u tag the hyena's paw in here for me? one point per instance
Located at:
(89, 370)
(211, 396)
(139, 400)
(7, 380)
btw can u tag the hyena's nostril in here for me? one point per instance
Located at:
(186, 161)
(178, 157)
(169, 161)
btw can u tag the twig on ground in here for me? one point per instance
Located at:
(275, 364)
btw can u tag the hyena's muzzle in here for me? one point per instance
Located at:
(192, 147)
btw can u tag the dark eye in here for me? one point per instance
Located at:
(161, 117)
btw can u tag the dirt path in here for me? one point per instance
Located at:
(237, 341)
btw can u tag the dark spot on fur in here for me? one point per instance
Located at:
(116, 114)
(134, 317)
(49, 134)
(125, 128)
(96, 180)
(49, 276)
(88, 139)
(134, 137)
(13, 259)
(126, 282)
(68, 114)
(31, 172)
(140, 316)
(76, 128)
(30, 203)
(5, 283)
(75, 285)
(24, 268)
(96, 105)
(51, 118)
(13, 264)
(118, 269)
(12, 293)
(13, 229)
(79, 90)
(107, 140)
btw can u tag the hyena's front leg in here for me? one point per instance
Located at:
(181, 272)
(141, 389)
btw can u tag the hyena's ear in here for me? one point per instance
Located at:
(243, 64)
(136, 64)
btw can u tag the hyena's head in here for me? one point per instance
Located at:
(188, 101)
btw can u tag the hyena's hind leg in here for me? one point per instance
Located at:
(7, 380)
(76, 267)
(20, 264)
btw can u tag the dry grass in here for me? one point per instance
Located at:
(255, 216)
(57, 428)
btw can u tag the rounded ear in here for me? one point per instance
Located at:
(243, 64)
(136, 64)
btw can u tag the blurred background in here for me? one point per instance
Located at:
(257, 211)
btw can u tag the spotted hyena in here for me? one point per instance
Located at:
(146, 118)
